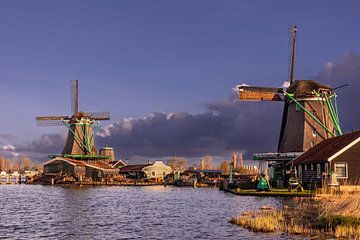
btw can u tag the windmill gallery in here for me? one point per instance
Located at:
(310, 124)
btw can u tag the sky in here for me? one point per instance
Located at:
(166, 70)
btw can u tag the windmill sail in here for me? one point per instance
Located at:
(99, 115)
(74, 93)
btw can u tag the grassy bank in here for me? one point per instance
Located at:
(272, 193)
(325, 215)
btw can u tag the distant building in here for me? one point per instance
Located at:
(117, 163)
(340, 155)
(157, 170)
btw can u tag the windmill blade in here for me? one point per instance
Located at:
(49, 123)
(50, 120)
(99, 115)
(250, 93)
(74, 93)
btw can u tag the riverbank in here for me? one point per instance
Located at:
(272, 193)
(322, 216)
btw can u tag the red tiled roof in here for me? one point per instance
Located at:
(99, 164)
(327, 148)
(77, 162)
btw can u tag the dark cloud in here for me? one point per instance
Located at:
(345, 70)
(40, 148)
(223, 127)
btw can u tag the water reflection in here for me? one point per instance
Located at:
(153, 212)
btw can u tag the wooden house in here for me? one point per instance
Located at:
(339, 155)
(157, 170)
(80, 169)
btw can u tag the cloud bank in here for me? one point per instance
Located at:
(345, 70)
(221, 128)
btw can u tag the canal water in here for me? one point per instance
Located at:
(154, 212)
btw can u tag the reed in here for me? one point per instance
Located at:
(337, 215)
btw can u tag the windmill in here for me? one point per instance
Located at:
(80, 140)
(310, 112)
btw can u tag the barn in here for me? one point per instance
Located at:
(80, 169)
(339, 155)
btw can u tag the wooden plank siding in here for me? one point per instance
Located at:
(352, 158)
(309, 177)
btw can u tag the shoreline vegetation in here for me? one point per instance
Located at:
(322, 215)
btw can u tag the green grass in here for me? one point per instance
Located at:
(333, 221)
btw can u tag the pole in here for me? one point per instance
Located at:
(293, 53)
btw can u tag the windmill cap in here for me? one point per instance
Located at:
(79, 115)
(305, 88)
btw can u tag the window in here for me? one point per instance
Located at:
(164, 173)
(341, 170)
(305, 167)
(153, 173)
(318, 170)
(311, 167)
(297, 107)
(312, 144)
(314, 133)
(300, 173)
(326, 168)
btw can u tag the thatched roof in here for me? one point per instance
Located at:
(304, 88)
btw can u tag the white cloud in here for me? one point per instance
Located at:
(8, 147)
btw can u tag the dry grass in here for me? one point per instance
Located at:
(347, 232)
(347, 204)
(259, 221)
(338, 215)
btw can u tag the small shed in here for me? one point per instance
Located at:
(339, 155)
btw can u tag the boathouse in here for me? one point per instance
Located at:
(156, 171)
(339, 155)
(80, 169)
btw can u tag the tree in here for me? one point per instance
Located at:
(2, 163)
(225, 167)
(206, 163)
(26, 163)
(177, 164)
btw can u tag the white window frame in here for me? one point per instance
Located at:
(312, 167)
(326, 168)
(346, 170)
(305, 167)
(318, 170)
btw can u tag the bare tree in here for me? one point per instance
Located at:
(225, 167)
(206, 163)
(2, 163)
(26, 163)
(177, 164)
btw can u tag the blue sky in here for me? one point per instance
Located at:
(136, 57)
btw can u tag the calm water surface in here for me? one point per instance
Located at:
(157, 212)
